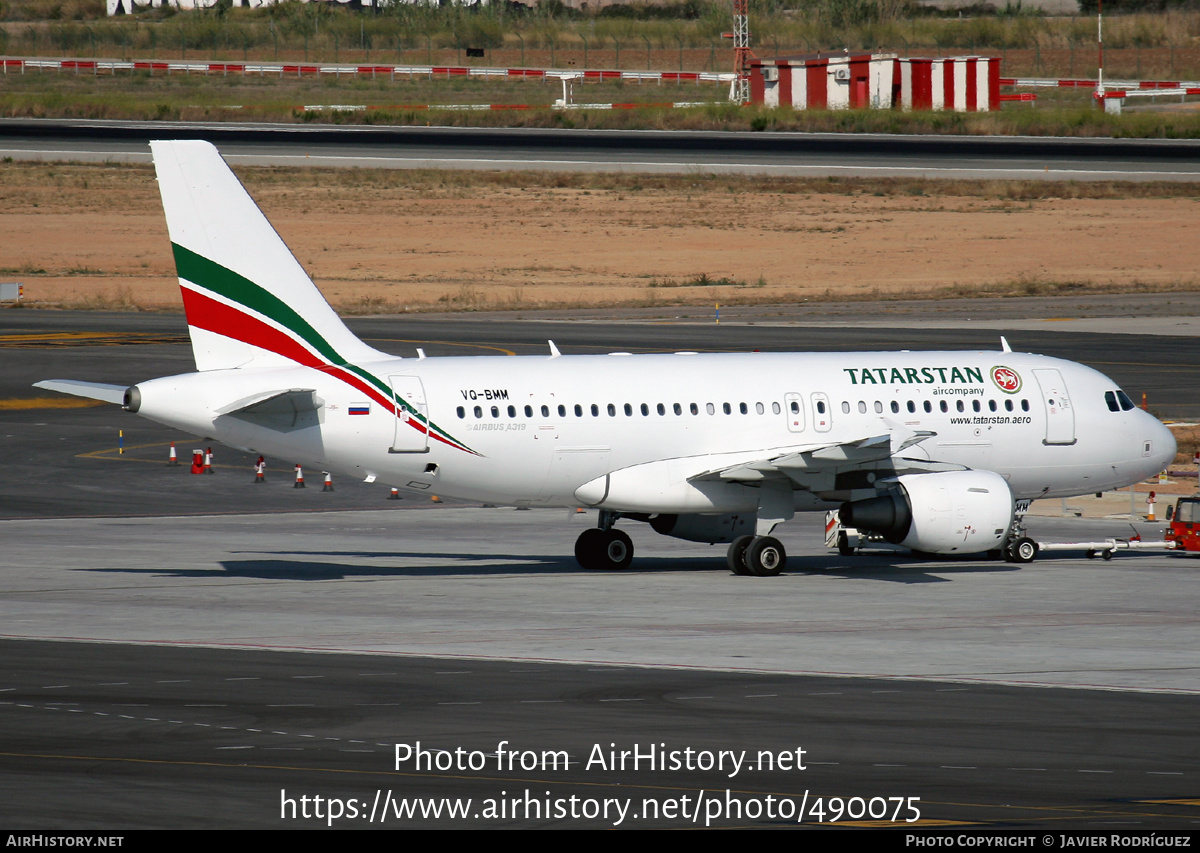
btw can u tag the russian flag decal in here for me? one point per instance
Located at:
(360, 408)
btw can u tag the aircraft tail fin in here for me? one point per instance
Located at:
(248, 300)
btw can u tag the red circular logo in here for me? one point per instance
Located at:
(1006, 379)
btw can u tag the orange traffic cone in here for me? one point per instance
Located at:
(260, 470)
(328, 487)
(208, 469)
(395, 495)
(173, 459)
(299, 484)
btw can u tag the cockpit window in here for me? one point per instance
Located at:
(1126, 403)
(1110, 397)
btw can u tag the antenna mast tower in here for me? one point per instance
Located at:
(741, 50)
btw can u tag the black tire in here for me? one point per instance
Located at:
(1024, 550)
(589, 548)
(1090, 553)
(1107, 554)
(735, 557)
(843, 546)
(765, 558)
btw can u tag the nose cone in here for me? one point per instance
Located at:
(1164, 447)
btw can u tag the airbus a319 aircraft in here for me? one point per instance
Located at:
(934, 451)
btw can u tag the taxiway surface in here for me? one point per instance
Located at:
(184, 650)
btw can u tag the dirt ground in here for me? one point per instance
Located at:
(80, 236)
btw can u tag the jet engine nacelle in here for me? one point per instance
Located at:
(950, 512)
(704, 528)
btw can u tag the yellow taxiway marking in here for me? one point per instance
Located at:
(19, 403)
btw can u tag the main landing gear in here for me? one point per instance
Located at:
(762, 556)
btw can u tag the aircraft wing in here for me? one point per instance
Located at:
(835, 466)
(833, 471)
(91, 390)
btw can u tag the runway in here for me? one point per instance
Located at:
(782, 154)
(202, 651)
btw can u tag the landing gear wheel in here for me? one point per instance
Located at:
(618, 550)
(588, 548)
(844, 546)
(765, 558)
(1090, 553)
(1107, 555)
(1024, 550)
(597, 549)
(736, 556)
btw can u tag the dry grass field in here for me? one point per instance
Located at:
(394, 241)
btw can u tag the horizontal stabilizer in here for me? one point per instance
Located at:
(295, 408)
(91, 390)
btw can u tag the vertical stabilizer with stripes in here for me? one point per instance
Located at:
(248, 300)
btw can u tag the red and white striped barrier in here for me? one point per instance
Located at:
(485, 107)
(1126, 85)
(96, 66)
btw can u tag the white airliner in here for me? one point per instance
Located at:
(934, 451)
